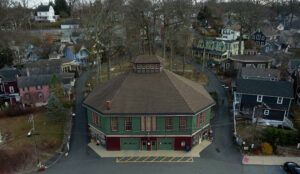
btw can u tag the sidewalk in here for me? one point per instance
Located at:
(268, 160)
(195, 152)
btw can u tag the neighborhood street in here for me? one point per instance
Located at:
(221, 157)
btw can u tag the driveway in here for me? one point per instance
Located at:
(221, 157)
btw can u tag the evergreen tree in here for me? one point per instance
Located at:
(61, 8)
(54, 107)
(54, 81)
(6, 57)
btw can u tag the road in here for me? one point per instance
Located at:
(221, 157)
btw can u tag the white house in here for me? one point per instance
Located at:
(230, 33)
(70, 24)
(280, 27)
(45, 13)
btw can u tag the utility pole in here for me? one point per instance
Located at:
(32, 132)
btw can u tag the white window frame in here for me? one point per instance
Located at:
(259, 98)
(11, 89)
(279, 100)
(266, 112)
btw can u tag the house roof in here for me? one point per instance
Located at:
(262, 87)
(71, 22)
(146, 59)
(155, 93)
(252, 58)
(294, 63)
(35, 80)
(43, 8)
(43, 67)
(260, 72)
(9, 74)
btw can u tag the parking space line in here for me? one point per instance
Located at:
(154, 159)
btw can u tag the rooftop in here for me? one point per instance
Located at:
(262, 87)
(252, 58)
(154, 93)
(147, 59)
(9, 74)
(260, 72)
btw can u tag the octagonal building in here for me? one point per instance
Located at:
(149, 108)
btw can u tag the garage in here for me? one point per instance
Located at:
(165, 143)
(130, 143)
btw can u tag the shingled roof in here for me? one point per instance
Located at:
(43, 8)
(9, 74)
(146, 59)
(150, 94)
(35, 80)
(252, 58)
(261, 87)
(260, 72)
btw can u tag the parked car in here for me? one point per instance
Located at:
(291, 167)
(73, 115)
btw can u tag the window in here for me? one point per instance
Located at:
(27, 97)
(182, 123)
(96, 119)
(147, 66)
(138, 66)
(128, 124)
(266, 112)
(25, 89)
(148, 123)
(114, 123)
(157, 66)
(259, 98)
(40, 95)
(11, 89)
(169, 123)
(279, 100)
(201, 118)
(144, 66)
(38, 87)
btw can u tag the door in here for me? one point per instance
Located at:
(153, 145)
(148, 145)
(144, 145)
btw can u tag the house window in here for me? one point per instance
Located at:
(148, 123)
(279, 100)
(169, 123)
(201, 118)
(138, 66)
(266, 112)
(157, 66)
(96, 119)
(147, 66)
(227, 65)
(259, 98)
(182, 123)
(25, 89)
(143, 66)
(128, 124)
(114, 123)
(38, 87)
(40, 95)
(27, 96)
(11, 89)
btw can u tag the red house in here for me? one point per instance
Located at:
(9, 92)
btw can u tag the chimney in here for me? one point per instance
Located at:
(27, 72)
(108, 105)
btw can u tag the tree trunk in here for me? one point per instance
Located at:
(240, 41)
(171, 59)
(108, 67)
(183, 63)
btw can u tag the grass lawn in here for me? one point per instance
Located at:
(49, 140)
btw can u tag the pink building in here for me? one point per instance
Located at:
(34, 90)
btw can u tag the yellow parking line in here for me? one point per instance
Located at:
(180, 159)
(129, 158)
(122, 158)
(146, 158)
(155, 158)
(137, 159)
(163, 158)
(170, 160)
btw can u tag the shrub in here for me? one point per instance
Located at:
(14, 111)
(266, 148)
(280, 136)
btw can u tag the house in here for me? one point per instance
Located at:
(230, 32)
(236, 63)
(77, 52)
(294, 71)
(65, 37)
(70, 24)
(53, 56)
(260, 74)
(149, 108)
(264, 35)
(217, 50)
(34, 89)
(264, 102)
(45, 13)
(9, 92)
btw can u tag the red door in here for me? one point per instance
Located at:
(148, 145)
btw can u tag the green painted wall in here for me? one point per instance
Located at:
(165, 143)
(130, 143)
(160, 125)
